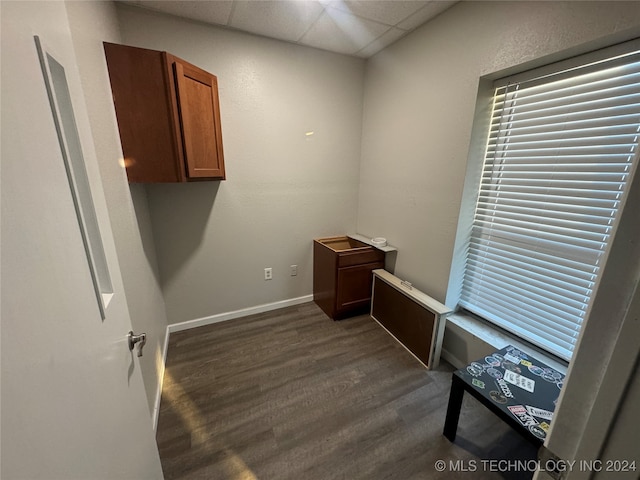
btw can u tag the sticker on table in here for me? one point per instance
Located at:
(494, 372)
(538, 431)
(522, 415)
(502, 385)
(548, 377)
(526, 363)
(560, 385)
(477, 383)
(553, 373)
(540, 413)
(477, 365)
(519, 381)
(498, 397)
(510, 357)
(545, 426)
(498, 357)
(511, 366)
(492, 361)
(474, 370)
(536, 370)
(517, 353)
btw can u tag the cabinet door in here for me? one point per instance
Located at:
(144, 104)
(199, 111)
(406, 319)
(354, 286)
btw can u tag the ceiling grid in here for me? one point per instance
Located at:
(359, 28)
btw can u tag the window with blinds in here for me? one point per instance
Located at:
(560, 152)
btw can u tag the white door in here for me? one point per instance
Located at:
(73, 402)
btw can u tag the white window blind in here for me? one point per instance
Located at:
(560, 151)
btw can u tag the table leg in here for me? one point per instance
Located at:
(453, 409)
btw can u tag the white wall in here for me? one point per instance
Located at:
(282, 190)
(622, 443)
(92, 23)
(420, 96)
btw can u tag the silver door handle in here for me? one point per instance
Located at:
(137, 339)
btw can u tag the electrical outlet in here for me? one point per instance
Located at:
(268, 273)
(294, 270)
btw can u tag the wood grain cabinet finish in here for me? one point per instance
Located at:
(342, 275)
(415, 319)
(168, 116)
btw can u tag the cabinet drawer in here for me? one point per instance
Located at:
(360, 256)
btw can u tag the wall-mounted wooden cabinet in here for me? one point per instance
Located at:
(168, 116)
(342, 275)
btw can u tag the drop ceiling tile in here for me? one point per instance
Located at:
(340, 32)
(303, 22)
(210, 12)
(430, 10)
(282, 19)
(389, 13)
(392, 35)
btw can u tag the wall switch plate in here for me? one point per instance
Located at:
(294, 270)
(268, 273)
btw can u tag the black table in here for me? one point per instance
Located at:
(518, 388)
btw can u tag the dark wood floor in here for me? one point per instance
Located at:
(291, 394)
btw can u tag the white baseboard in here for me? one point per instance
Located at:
(222, 317)
(452, 359)
(156, 405)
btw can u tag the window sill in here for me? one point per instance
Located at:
(498, 339)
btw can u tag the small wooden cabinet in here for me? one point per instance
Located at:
(168, 116)
(415, 319)
(342, 275)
